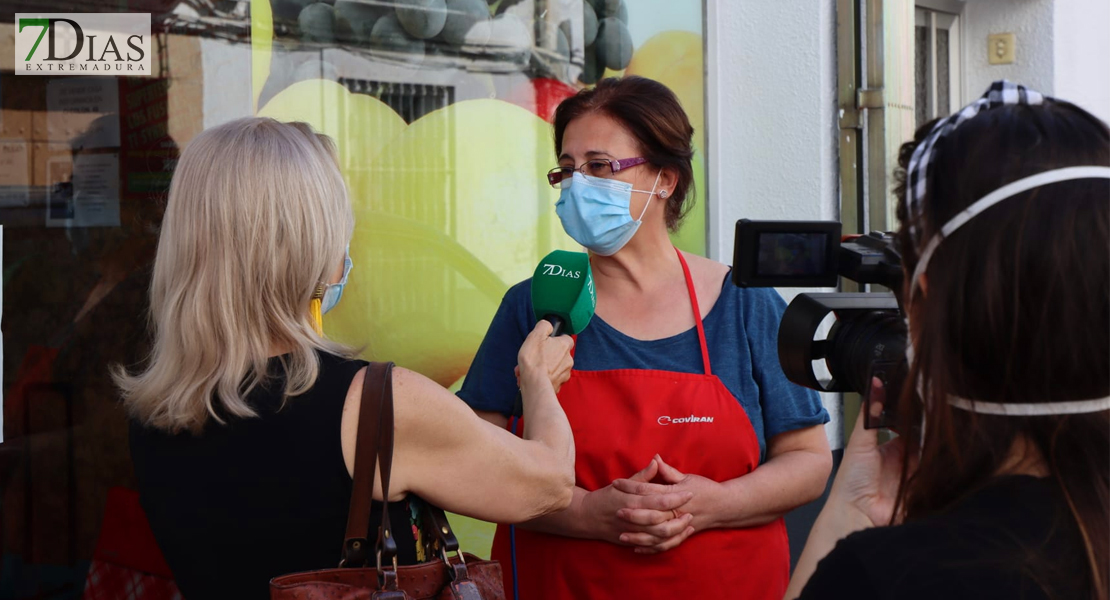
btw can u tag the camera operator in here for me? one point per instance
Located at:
(998, 487)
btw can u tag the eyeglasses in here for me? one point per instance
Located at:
(560, 177)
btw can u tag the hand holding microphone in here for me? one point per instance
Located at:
(544, 357)
(562, 295)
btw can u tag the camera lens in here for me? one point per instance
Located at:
(860, 338)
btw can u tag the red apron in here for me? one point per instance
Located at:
(621, 419)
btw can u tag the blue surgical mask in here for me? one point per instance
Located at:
(334, 291)
(595, 212)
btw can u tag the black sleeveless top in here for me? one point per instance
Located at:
(244, 502)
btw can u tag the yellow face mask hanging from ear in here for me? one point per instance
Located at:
(315, 309)
(317, 316)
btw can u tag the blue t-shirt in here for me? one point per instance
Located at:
(741, 331)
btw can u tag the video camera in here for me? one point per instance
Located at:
(868, 338)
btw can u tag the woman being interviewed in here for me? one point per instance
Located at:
(1000, 487)
(691, 444)
(245, 417)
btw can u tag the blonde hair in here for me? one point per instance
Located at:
(257, 217)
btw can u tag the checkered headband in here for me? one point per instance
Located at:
(1000, 93)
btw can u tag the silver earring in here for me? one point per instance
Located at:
(663, 194)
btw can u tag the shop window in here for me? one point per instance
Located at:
(444, 138)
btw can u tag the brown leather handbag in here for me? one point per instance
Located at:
(462, 577)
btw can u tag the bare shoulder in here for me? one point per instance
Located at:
(406, 384)
(415, 398)
(705, 268)
(354, 396)
(348, 424)
(410, 381)
(411, 393)
(416, 390)
(709, 276)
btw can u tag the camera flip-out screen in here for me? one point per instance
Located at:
(786, 253)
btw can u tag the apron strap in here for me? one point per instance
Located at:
(697, 312)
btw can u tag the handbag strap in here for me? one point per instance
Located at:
(377, 392)
(386, 546)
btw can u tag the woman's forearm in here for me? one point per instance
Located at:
(546, 423)
(819, 543)
(776, 487)
(569, 522)
(833, 524)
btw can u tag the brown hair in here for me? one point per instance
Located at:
(650, 112)
(1017, 311)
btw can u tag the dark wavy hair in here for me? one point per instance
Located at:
(652, 114)
(1017, 309)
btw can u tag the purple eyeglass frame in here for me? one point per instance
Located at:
(555, 176)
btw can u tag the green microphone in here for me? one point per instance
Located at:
(563, 291)
(562, 294)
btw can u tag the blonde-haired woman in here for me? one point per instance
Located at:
(244, 419)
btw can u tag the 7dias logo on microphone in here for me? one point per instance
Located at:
(559, 271)
(82, 44)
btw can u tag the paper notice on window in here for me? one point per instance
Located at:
(83, 111)
(89, 197)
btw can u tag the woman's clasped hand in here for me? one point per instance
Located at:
(659, 523)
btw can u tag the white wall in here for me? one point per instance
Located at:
(771, 112)
(1063, 48)
(1081, 56)
(772, 107)
(1031, 21)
